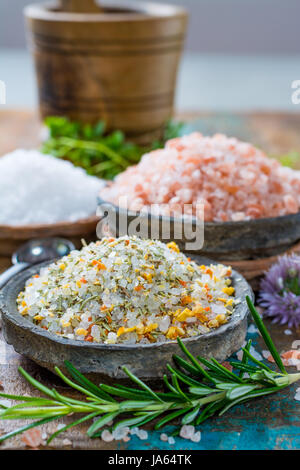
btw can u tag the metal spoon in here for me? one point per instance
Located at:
(36, 251)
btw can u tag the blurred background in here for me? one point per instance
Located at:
(239, 55)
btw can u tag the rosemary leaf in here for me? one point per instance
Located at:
(265, 334)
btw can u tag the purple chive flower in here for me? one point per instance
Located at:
(280, 291)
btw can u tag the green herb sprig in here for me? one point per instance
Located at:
(196, 389)
(100, 154)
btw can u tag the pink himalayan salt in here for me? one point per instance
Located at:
(32, 438)
(233, 179)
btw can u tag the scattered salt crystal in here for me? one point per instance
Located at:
(171, 440)
(134, 431)
(60, 426)
(67, 442)
(266, 354)
(164, 437)
(5, 403)
(32, 438)
(252, 329)
(196, 437)
(297, 396)
(44, 436)
(143, 435)
(255, 354)
(120, 433)
(239, 355)
(187, 431)
(46, 189)
(107, 436)
(288, 332)
(126, 438)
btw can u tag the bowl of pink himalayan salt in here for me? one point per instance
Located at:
(249, 203)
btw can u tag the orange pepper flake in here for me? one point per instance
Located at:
(207, 309)
(183, 283)
(111, 239)
(98, 264)
(138, 288)
(89, 338)
(186, 299)
(108, 318)
(89, 328)
(103, 307)
(101, 266)
(127, 242)
(189, 259)
(84, 281)
(36, 276)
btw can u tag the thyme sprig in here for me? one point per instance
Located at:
(196, 389)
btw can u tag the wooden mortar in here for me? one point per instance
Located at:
(117, 62)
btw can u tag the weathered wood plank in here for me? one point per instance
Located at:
(270, 423)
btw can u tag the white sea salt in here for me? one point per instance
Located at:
(171, 440)
(288, 332)
(142, 435)
(187, 431)
(266, 353)
(6, 403)
(252, 329)
(60, 426)
(67, 442)
(107, 436)
(297, 396)
(196, 437)
(164, 437)
(37, 188)
(120, 433)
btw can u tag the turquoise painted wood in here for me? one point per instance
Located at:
(262, 424)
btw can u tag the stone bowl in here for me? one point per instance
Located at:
(222, 240)
(103, 362)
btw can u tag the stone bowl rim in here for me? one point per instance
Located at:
(240, 313)
(252, 222)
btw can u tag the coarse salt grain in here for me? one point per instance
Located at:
(233, 180)
(67, 442)
(164, 437)
(107, 436)
(60, 426)
(45, 189)
(142, 435)
(252, 329)
(196, 437)
(187, 431)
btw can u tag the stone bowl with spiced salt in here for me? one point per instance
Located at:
(49, 333)
(250, 203)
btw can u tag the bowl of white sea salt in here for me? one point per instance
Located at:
(42, 196)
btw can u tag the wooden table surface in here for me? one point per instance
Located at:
(268, 423)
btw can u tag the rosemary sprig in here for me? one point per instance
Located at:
(194, 393)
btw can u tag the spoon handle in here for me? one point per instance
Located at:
(10, 272)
